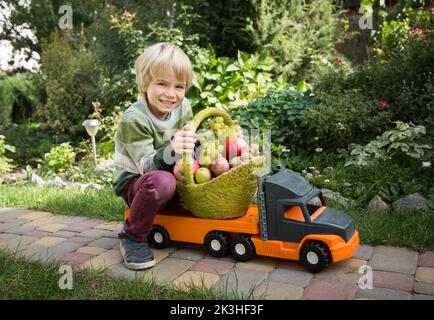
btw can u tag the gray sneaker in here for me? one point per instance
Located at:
(137, 255)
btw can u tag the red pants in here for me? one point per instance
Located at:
(145, 196)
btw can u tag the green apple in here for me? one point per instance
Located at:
(202, 175)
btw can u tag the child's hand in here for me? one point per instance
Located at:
(184, 140)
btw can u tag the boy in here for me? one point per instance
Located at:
(152, 132)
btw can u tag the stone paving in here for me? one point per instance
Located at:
(397, 273)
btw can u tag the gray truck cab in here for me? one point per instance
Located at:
(290, 209)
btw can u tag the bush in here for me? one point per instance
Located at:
(402, 142)
(296, 33)
(20, 94)
(73, 80)
(31, 142)
(282, 111)
(60, 158)
(5, 162)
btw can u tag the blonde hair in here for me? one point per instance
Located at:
(162, 57)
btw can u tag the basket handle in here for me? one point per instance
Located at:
(198, 118)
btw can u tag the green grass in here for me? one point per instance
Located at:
(23, 280)
(91, 203)
(414, 230)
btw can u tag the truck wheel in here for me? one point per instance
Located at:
(159, 237)
(241, 247)
(315, 256)
(216, 243)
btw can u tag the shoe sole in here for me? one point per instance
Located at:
(137, 266)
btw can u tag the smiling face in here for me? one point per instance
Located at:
(165, 93)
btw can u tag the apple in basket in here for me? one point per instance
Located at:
(202, 175)
(219, 165)
(177, 169)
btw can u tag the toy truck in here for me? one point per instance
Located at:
(290, 221)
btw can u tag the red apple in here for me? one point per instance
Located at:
(242, 147)
(219, 166)
(231, 148)
(178, 169)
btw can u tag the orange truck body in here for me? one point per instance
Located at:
(182, 226)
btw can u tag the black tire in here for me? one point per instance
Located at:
(241, 247)
(159, 238)
(216, 243)
(315, 256)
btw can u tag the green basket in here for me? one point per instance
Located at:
(226, 196)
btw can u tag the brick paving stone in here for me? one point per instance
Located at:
(422, 297)
(225, 258)
(240, 281)
(82, 240)
(53, 227)
(422, 287)
(347, 271)
(426, 259)
(363, 252)
(188, 254)
(6, 225)
(65, 234)
(73, 220)
(290, 265)
(111, 226)
(212, 266)
(75, 259)
(49, 241)
(35, 215)
(56, 252)
(167, 270)
(330, 290)
(400, 260)
(17, 243)
(103, 261)
(13, 213)
(383, 294)
(43, 221)
(296, 278)
(424, 274)
(8, 219)
(83, 225)
(118, 271)
(270, 290)
(20, 229)
(392, 280)
(95, 233)
(106, 243)
(92, 250)
(265, 264)
(7, 236)
(161, 254)
(33, 252)
(35, 233)
(190, 279)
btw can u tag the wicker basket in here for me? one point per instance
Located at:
(226, 196)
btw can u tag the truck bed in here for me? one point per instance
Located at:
(185, 227)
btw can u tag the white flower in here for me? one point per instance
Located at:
(304, 171)
(426, 164)
(2, 137)
(318, 149)
(286, 150)
(327, 181)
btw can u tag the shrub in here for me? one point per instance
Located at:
(60, 158)
(72, 81)
(5, 162)
(20, 94)
(295, 33)
(404, 141)
(282, 111)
